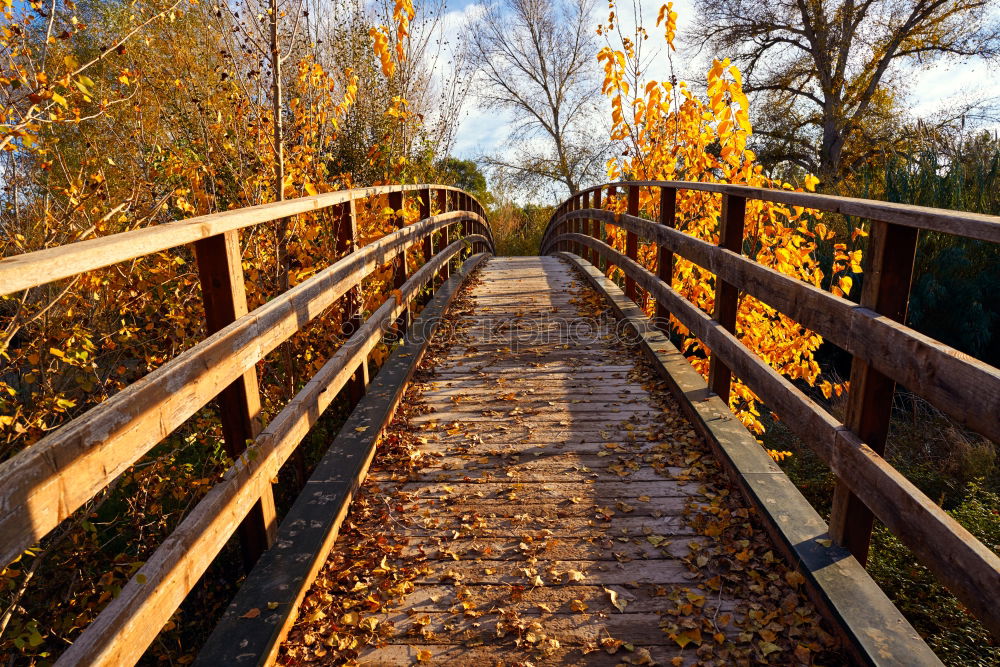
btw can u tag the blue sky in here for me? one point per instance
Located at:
(933, 88)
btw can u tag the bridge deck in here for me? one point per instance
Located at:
(542, 500)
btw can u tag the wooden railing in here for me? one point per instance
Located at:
(43, 485)
(885, 352)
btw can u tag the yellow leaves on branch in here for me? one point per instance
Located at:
(402, 15)
(380, 38)
(668, 17)
(672, 134)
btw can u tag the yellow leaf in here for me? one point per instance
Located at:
(423, 655)
(617, 600)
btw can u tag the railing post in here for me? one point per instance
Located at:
(727, 296)
(220, 269)
(588, 254)
(443, 206)
(574, 225)
(425, 212)
(632, 243)
(597, 227)
(886, 290)
(396, 203)
(347, 239)
(665, 258)
(463, 205)
(612, 193)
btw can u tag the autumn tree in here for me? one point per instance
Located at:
(664, 131)
(534, 58)
(830, 76)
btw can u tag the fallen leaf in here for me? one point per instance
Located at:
(794, 578)
(617, 600)
(253, 613)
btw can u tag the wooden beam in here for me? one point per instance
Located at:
(727, 295)
(220, 269)
(886, 290)
(597, 227)
(955, 223)
(347, 242)
(664, 257)
(632, 242)
(44, 266)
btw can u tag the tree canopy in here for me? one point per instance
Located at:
(830, 76)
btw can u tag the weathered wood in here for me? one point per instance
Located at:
(43, 266)
(727, 294)
(122, 632)
(48, 481)
(311, 526)
(886, 290)
(220, 270)
(960, 561)
(966, 389)
(876, 630)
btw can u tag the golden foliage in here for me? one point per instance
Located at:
(666, 132)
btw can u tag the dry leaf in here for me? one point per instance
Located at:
(617, 600)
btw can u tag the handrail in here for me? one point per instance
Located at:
(35, 268)
(957, 223)
(44, 484)
(885, 351)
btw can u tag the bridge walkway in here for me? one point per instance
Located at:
(541, 499)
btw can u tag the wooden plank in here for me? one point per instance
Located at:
(310, 528)
(966, 389)
(122, 632)
(48, 481)
(43, 266)
(963, 564)
(727, 294)
(220, 270)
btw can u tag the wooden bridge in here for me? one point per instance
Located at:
(535, 475)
